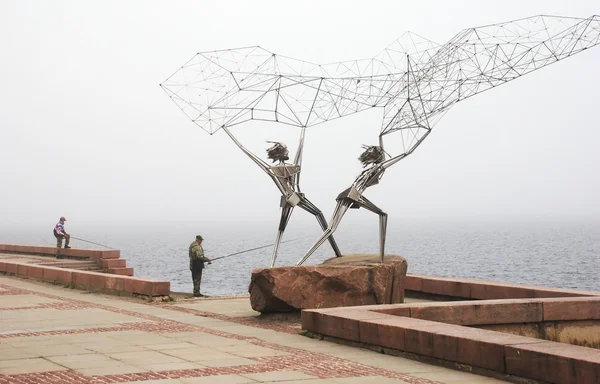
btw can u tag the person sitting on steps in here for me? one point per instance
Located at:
(59, 233)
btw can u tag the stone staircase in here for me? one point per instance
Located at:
(80, 265)
(108, 261)
(88, 269)
(104, 261)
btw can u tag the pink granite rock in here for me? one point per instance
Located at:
(339, 282)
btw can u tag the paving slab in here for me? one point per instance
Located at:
(230, 307)
(20, 301)
(279, 376)
(18, 366)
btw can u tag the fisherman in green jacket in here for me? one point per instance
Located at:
(197, 260)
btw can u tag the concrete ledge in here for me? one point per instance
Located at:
(483, 290)
(53, 251)
(108, 260)
(435, 330)
(476, 313)
(92, 281)
(553, 362)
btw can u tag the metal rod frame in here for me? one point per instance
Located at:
(414, 80)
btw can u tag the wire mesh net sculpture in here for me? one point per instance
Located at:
(473, 61)
(228, 87)
(414, 80)
(221, 89)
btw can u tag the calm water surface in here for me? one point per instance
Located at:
(556, 254)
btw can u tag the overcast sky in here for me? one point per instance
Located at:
(86, 131)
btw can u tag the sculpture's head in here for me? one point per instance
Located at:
(277, 152)
(373, 154)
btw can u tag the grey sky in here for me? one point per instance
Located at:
(88, 133)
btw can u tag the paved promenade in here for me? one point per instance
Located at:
(50, 334)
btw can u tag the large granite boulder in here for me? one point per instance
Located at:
(339, 282)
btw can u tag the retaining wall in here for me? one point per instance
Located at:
(114, 283)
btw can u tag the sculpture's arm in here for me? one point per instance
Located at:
(393, 160)
(262, 164)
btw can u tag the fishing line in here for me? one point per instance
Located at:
(91, 242)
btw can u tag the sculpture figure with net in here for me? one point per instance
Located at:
(473, 61)
(414, 80)
(286, 177)
(221, 89)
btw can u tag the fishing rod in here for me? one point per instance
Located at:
(254, 249)
(91, 242)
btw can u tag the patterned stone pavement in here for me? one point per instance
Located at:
(50, 334)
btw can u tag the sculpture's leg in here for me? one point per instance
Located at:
(311, 208)
(340, 209)
(286, 213)
(367, 204)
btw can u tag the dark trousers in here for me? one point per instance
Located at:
(197, 278)
(59, 239)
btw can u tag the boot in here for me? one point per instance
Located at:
(67, 246)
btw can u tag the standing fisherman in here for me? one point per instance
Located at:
(59, 233)
(197, 261)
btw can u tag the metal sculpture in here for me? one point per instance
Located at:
(221, 89)
(414, 80)
(286, 177)
(473, 61)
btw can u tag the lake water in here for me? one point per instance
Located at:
(550, 253)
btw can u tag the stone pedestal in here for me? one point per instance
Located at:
(339, 282)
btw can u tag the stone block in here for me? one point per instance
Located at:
(2, 266)
(161, 288)
(386, 332)
(338, 326)
(554, 362)
(114, 283)
(577, 308)
(413, 283)
(12, 268)
(476, 347)
(22, 269)
(308, 319)
(50, 274)
(114, 263)
(97, 280)
(419, 335)
(463, 346)
(82, 279)
(112, 254)
(121, 271)
(65, 276)
(35, 272)
(339, 282)
(445, 287)
(491, 290)
(472, 313)
(137, 286)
